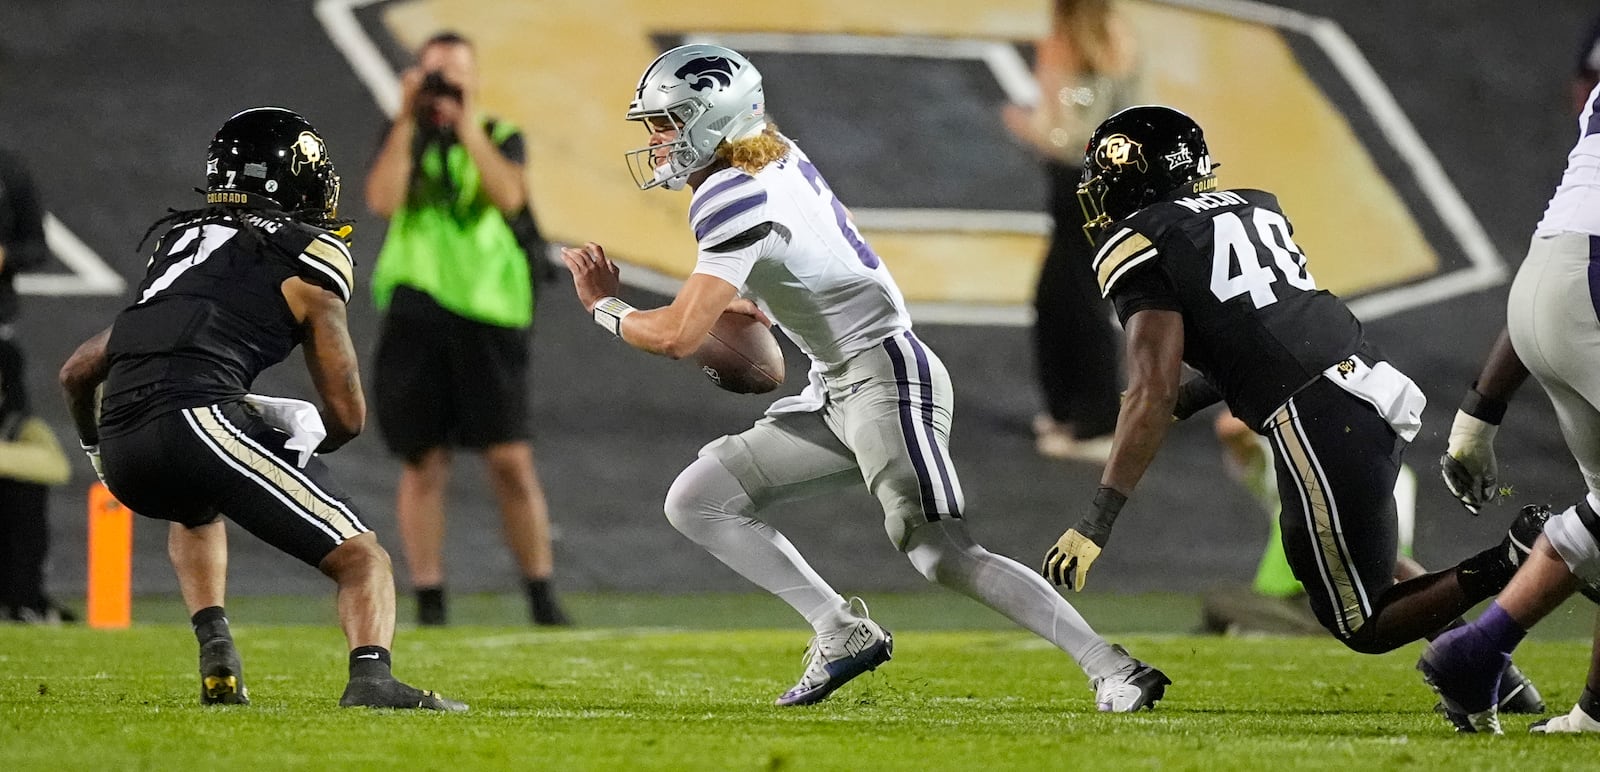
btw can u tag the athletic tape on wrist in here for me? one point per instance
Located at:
(609, 312)
(1486, 409)
(1102, 514)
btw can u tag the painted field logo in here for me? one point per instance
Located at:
(711, 72)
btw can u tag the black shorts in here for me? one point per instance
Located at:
(1337, 460)
(442, 380)
(190, 465)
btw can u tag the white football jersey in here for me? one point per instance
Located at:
(782, 237)
(1575, 207)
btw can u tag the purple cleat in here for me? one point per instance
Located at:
(1464, 669)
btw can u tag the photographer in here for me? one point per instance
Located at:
(454, 279)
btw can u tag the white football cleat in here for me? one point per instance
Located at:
(1571, 723)
(833, 659)
(1134, 686)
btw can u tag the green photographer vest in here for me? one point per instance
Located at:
(450, 242)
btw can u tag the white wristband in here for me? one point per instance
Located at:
(609, 312)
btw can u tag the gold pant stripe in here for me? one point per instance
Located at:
(1322, 517)
(279, 478)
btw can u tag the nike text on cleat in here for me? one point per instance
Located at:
(833, 659)
(1571, 723)
(221, 675)
(1132, 687)
(391, 693)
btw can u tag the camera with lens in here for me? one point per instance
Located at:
(434, 85)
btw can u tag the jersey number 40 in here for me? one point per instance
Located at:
(1250, 259)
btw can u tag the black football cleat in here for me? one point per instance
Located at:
(388, 692)
(1518, 694)
(221, 674)
(1524, 531)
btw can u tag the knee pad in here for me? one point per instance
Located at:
(704, 490)
(1573, 534)
(938, 549)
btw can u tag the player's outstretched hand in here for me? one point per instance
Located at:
(1067, 563)
(1468, 466)
(593, 274)
(1471, 480)
(748, 307)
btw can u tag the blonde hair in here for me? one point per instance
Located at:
(1086, 26)
(752, 154)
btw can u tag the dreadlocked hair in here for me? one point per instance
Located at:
(245, 217)
(752, 154)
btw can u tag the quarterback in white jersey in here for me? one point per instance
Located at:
(878, 406)
(828, 290)
(1552, 331)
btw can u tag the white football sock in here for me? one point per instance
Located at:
(944, 553)
(707, 504)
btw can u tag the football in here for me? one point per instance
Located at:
(741, 355)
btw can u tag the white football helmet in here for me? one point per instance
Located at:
(709, 93)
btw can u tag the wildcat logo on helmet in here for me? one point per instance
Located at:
(712, 72)
(308, 150)
(1118, 151)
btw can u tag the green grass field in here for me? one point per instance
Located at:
(687, 683)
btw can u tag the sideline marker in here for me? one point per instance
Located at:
(110, 560)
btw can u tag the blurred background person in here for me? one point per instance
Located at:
(30, 456)
(456, 285)
(1087, 68)
(1587, 74)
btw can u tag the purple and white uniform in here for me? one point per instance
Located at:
(878, 405)
(1553, 316)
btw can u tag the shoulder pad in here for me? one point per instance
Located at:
(326, 262)
(728, 203)
(1124, 250)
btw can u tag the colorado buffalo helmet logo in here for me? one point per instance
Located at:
(1117, 152)
(308, 151)
(707, 73)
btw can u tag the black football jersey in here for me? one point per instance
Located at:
(210, 314)
(1255, 324)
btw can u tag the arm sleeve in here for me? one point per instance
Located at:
(326, 262)
(24, 239)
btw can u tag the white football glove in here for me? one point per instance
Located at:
(1468, 465)
(93, 452)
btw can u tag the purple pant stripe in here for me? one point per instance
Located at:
(927, 420)
(908, 427)
(1594, 275)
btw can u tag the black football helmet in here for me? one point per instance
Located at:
(272, 158)
(1138, 157)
